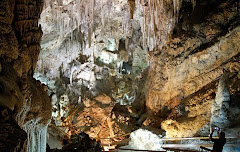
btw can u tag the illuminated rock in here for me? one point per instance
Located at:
(145, 140)
(220, 107)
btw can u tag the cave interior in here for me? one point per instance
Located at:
(119, 75)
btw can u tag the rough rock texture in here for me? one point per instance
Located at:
(183, 76)
(19, 50)
(81, 142)
(13, 138)
(20, 37)
(101, 119)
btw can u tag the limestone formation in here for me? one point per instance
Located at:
(19, 49)
(190, 65)
(220, 107)
(13, 138)
(112, 67)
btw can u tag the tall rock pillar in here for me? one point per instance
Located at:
(221, 103)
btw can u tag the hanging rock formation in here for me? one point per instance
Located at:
(20, 37)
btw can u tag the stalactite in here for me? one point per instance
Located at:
(70, 16)
(37, 137)
(74, 68)
(159, 19)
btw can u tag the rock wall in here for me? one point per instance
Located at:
(183, 75)
(20, 37)
(13, 138)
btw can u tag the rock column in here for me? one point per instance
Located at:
(221, 104)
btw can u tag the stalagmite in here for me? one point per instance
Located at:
(221, 104)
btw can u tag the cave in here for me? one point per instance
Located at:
(119, 75)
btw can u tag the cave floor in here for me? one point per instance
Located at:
(192, 144)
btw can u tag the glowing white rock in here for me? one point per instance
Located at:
(37, 137)
(145, 140)
(107, 57)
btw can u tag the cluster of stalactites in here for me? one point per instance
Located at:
(87, 16)
(159, 19)
(37, 137)
(70, 15)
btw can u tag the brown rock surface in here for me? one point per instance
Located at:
(13, 138)
(106, 122)
(20, 37)
(189, 66)
(11, 95)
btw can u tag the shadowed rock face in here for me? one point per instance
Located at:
(13, 138)
(19, 51)
(25, 108)
(20, 37)
(11, 95)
